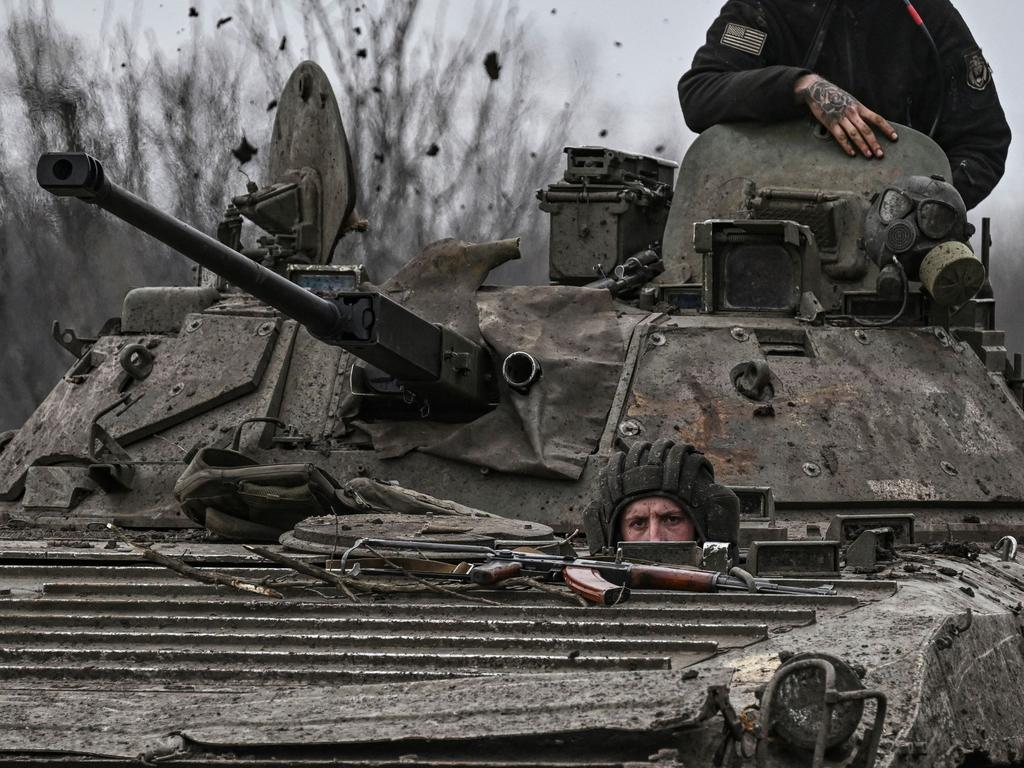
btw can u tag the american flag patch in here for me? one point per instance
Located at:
(746, 39)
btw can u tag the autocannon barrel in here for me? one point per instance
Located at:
(80, 175)
(429, 361)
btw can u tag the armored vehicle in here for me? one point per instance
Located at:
(817, 326)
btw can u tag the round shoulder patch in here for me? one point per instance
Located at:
(979, 73)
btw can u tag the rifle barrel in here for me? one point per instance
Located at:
(426, 546)
(765, 586)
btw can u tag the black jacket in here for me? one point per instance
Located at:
(873, 50)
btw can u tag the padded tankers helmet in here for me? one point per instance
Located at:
(669, 469)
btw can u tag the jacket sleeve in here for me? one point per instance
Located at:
(736, 75)
(973, 130)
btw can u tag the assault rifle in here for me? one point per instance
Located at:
(597, 581)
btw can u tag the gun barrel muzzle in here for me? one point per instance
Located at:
(76, 174)
(70, 174)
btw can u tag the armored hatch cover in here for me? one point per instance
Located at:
(725, 160)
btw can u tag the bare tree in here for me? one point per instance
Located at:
(441, 148)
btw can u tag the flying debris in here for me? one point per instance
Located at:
(357, 30)
(660, 148)
(618, 44)
(361, 53)
(284, 43)
(222, 21)
(272, 104)
(491, 65)
(603, 132)
(244, 151)
(193, 12)
(432, 150)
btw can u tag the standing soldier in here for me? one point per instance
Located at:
(854, 63)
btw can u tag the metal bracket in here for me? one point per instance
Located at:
(70, 341)
(1007, 548)
(111, 465)
(870, 547)
(236, 438)
(811, 311)
(732, 726)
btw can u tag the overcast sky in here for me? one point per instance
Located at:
(656, 39)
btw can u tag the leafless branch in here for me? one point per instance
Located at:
(196, 574)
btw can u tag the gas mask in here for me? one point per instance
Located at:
(918, 226)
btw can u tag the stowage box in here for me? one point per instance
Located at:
(608, 206)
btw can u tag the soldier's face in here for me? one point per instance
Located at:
(656, 519)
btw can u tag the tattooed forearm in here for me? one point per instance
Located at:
(831, 100)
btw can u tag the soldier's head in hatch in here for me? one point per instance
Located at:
(656, 518)
(661, 491)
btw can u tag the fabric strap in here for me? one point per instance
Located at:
(814, 52)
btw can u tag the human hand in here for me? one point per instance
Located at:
(843, 116)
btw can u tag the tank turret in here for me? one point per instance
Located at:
(429, 362)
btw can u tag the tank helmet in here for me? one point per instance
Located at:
(665, 468)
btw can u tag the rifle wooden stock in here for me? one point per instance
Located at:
(589, 584)
(677, 579)
(494, 572)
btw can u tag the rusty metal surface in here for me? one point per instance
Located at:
(894, 415)
(158, 458)
(949, 659)
(213, 361)
(531, 706)
(163, 309)
(60, 425)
